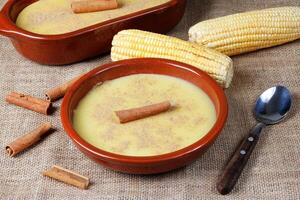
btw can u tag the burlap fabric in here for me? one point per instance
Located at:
(272, 173)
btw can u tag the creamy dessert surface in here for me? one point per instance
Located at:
(56, 17)
(190, 120)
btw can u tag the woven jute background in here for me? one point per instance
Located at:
(272, 173)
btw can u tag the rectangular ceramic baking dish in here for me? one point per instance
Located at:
(87, 42)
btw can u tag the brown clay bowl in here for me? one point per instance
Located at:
(150, 164)
(87, 42)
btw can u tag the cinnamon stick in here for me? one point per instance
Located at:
(29, 102)
(84, 6)
(27, 140)
(67, 176)
(142, 112)
(59, 91)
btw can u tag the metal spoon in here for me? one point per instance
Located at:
(271, 108)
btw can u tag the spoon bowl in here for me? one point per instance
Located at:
(273, 105)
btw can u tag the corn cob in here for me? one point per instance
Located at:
(249, 31)
(136, 44)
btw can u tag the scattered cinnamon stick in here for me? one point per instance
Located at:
(84, 6)
(67, 176)
(142, 112)
(59, 91)
(27, 140)
(29, 102)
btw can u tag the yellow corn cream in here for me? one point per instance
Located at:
(51, 17)
(191, 119)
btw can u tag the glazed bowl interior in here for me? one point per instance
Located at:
(17, 7)
(144, 66)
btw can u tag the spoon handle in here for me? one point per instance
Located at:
(236, 164)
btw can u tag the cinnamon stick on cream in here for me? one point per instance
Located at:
(84, 6)
(27, 140)
(67, 176)
(143, 112)
(59, 91)
(29, 102)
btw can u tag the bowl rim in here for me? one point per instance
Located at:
(97, 152)
(10, 26)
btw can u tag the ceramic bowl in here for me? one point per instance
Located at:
(149, 164)
(87, 42)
